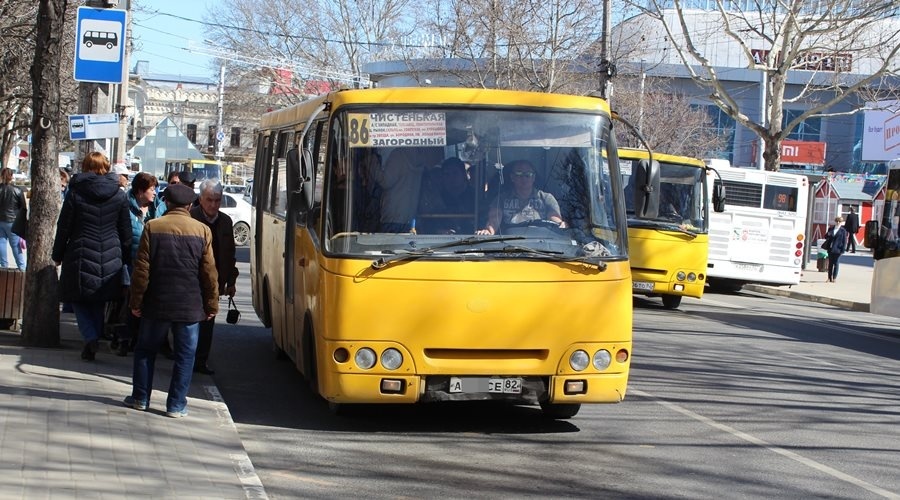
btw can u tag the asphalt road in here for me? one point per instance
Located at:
(732, 396)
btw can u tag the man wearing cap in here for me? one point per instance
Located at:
(174, 285)
(123, 172)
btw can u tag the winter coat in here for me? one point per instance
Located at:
(175, 276)
(11, 202)
(838, 240)
(223, 246)
(93, 237)
(138, 219)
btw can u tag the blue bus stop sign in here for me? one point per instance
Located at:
(100, 45)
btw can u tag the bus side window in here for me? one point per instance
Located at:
(279, 179)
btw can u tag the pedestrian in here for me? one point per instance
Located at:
(852, 227)
(174, 285)
(836, 244)
(221, 226)
(12, 201)
(92, 243)
(143, 206)
(124, 175)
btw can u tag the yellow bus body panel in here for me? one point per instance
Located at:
(657, 257)
(472, 318)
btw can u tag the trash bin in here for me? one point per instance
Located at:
(12, 295)
(822, 261)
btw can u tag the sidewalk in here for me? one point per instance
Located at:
(851, 290)
(64, 432)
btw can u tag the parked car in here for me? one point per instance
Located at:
(239, 211)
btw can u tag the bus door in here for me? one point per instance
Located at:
(262, 210)
(276, 229)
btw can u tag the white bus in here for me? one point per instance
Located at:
(882, 237)
(760, 236)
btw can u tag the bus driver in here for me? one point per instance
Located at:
(522, 202)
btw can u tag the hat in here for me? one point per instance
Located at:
(121, 169)
(179, 194)
(186, 177)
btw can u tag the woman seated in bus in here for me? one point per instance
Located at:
(519, 202)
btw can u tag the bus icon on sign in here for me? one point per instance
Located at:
(100, 38)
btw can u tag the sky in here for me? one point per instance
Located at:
(161, 32)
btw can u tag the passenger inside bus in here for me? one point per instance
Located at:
(400, 180)
(519, 202)
(448, 200)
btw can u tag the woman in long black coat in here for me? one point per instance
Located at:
(93, 236)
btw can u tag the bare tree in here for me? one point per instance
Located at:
(665, 119)
(832, 49)
(316, 40)
(17, 25)
(532, 45)
(40, 326)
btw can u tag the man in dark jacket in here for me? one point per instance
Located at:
(174, 285)
(852, 227)
(221, 226)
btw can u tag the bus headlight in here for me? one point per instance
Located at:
(680, 276)
(579, 360)
(692, 277)
(602, 359)
(365, 358)
(391, 358)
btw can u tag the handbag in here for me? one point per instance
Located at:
(233, 315)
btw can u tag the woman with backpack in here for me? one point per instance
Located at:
(836, 244)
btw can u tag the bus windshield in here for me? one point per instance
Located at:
(682, 196)
(502, 183)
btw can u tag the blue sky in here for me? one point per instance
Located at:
(161, 32)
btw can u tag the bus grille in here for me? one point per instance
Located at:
(742, 194)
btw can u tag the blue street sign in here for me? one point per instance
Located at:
(102, 126)
(100, 45)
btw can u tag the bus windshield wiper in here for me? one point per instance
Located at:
(551, 254)
(676, 227)
(381, 262)
(661, 226)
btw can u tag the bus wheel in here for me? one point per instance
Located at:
(338, 409)
(671, 301)
(241, 234)
(559, 411)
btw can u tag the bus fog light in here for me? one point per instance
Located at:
(621, 355)
(341, 355)
(678, 287)
(680, 276)
(692, 277)
(575, 387)
(392, 385)
(602, 359)
(579, 360)
(391, 359)
(365, 358)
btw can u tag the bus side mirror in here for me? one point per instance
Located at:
(646, 189)
(295, 181)
(718, 199)
(871, 235)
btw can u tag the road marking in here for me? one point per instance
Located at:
(776, 449)
(243, 467)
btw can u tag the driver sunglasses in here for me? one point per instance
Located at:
(524, 174)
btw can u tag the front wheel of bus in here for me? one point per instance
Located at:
(671, 301)
(280, 355)
(559, 411)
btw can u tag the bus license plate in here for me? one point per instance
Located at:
(494, 385)
(642, 285)
(750, 268)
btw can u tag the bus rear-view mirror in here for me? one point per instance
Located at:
(646, 189)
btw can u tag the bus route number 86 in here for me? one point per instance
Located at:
(359, 130)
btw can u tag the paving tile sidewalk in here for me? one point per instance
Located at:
(851, 290)
(64, 432)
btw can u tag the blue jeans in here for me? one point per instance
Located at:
(152, 334)
(8, 238)
(91, 316)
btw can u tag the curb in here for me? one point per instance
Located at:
(840, 303)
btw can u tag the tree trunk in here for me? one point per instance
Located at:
(40, 325)
(771, 153)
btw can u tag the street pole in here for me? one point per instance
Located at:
(220, 145)
(641, 103)
(606, 68)
(122, 107)
(763, 115)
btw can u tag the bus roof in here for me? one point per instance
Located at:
(434, 96)
(642, 154)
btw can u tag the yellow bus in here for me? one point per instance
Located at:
(374, 262)
(202, 169)
(668, 249)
